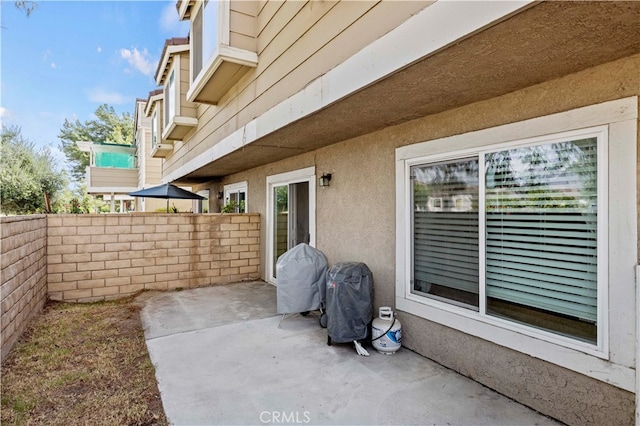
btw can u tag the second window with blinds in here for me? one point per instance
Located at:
(512, 233)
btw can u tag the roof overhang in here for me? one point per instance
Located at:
(383, 85)
(154, 97)
(87, 146)
(184, 9)
(167, 59)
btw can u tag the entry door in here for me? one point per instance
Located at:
(291, 214)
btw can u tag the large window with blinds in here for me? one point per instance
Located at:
(512, 233)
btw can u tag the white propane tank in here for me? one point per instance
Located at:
(390, 342)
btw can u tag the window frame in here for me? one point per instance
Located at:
(612, 359)
(171, 108)
(154, 128)
(197, 44)
(600, 349)
(296, 176)
(235, 188)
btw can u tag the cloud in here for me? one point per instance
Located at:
(170, 23)
(5, 113)
(46, 55)
(138, 60)
(102, 96)
(99, 49)
(53, 65)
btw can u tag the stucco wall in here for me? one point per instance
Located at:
(97, 257)
(356, 221)
(23, 253)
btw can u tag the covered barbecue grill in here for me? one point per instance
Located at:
(349, 302)
(300, 274)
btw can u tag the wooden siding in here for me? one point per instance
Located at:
(187, 109)
(153, 166)
(158, 106)
(242, 25)
(297, 42)
(107, 177)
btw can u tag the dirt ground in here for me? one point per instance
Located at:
(82, 364)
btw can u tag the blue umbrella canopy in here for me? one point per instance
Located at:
(166, 191)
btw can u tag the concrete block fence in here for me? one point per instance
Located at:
(23, 274)
(93, 257)
(84, 258)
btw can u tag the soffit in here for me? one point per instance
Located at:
(544, 42)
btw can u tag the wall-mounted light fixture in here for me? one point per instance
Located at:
(325, 179)
(220, 195)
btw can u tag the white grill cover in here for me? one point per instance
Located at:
(300, 278)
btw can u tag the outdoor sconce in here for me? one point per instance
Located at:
(325, 179)
(220, 195)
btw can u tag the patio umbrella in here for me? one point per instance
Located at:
(167, 191)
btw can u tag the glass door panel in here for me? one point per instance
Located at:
(280, 223)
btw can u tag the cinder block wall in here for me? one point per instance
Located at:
(97, 257)
(23, 273)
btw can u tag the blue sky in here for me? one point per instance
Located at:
(69, 57)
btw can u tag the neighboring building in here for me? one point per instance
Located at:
(112, 173)
(150, 168)
(482, 160)
(116, 170)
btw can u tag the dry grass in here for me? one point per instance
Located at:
(82, 364)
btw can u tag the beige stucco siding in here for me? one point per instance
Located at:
(296, 43)
(355, 221)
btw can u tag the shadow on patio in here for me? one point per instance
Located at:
(220, 358)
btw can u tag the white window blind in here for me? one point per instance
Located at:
(445, 220)
(541, 227)
(539, 207)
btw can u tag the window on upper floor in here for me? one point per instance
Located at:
(223, 48)
(170, 97)
(205, 35)
(154, 129)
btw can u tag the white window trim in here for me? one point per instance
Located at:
(600, 350)
(175, 117)
(154, 129)
(171, 115)
(303, 175)
(613, 361)
(224, 16)
(237, 187)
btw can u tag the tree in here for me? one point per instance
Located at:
(29, 181)
(27, 6)
(107, 127)
(76, 200)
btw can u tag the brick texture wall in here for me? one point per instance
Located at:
(23, 274)
(97, 257)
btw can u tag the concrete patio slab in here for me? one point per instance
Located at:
(220, 358)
